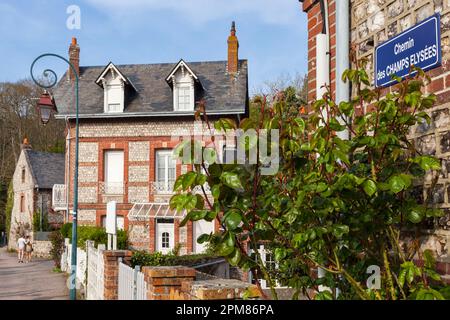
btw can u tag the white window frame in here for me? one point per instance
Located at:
(264, 253)
(183, 81)
(167, 155)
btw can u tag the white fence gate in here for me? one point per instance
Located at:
(66, 263)
(95, 272)
(131, 283)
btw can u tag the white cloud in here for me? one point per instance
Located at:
(281, 12)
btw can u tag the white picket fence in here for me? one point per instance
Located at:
(66, 262)
(90, 273)
(131, 283)
(95, 272)
(90, 268)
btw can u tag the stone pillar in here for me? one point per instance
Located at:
(111, 272)
(219, 289)
(162, 281)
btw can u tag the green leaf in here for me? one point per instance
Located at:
(231, 180)
(396, 184)
(339, 230)
(235, 257)
(203, 238)
(197, 215)
(370, 187)
(215, 191)
(427, 163)
(201, 179)
(189, 179)
(226, 247)
(232, 219)
(416, 214)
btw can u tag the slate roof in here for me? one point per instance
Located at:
(46, 168)
(223, 93)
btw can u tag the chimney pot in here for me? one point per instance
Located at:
(233, 50)
(74, 58)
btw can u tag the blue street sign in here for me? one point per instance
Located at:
(419, 45)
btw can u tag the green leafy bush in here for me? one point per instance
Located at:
(96, 234)
(57, 241)
(342, 205)
(142, 258)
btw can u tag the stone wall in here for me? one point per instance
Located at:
(21, 221)
(42, 249)
(373, 22)
(180, 283)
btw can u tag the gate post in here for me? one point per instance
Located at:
(111, 272)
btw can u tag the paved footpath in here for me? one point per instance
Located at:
(30, 281)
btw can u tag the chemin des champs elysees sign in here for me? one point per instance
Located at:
(418, 46)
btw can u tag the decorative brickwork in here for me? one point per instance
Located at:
(137, 194)
(87, 194)
(137, 129)
(139, 151)
(138, 174)
(88, 152)
(87, 217)
(87, 174)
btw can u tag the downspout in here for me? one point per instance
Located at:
(66, 218)
(323, 78)
(342, 56)
(323, 53)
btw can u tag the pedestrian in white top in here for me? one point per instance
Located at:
(21, 243)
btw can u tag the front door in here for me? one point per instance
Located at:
(114, 166)
(165, 234)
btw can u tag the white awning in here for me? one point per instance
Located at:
(146, 211)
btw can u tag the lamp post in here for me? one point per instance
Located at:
(46, 106)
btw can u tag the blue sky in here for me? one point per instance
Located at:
(272, 33)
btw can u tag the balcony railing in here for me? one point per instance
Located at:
(111, 188)
(59, 197)
(163, 187)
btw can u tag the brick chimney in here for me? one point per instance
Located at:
(233, 48)
(25, 144)
(74, 58)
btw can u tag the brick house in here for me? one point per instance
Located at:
(131, 117)
(370, 23)
(34, 177)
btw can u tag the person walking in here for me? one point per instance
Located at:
(21, 243)
(28, 249)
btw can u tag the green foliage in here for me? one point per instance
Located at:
(142, 258)
(341, 205)
(96, 234)
(37, 222)
(56, 251)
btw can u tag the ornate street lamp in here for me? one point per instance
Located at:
(46, 108)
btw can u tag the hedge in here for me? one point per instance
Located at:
(96, 234)
(142, 258)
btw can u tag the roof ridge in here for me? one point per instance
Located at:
(158, 64)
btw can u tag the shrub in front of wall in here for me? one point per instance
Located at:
(142, 258)
(96, 234)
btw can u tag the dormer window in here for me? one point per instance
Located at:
(183, 81)
(113, 83)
